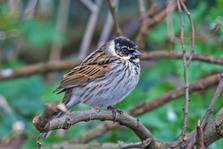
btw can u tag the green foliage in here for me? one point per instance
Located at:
(22, 96)
(26, 96)
(39, 33)
(8, 21)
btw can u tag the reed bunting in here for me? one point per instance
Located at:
(103, 78)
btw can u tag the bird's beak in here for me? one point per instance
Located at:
(137, 53)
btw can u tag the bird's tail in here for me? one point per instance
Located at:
(72, 102)
(47, 134)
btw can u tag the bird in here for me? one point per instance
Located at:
(104, 78)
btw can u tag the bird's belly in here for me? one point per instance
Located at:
(109, 90)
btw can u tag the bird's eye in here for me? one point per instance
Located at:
(125, 51)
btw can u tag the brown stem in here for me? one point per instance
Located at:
(149, 106)
(210, 109)
(192, 32)
(94, 114)
(117, 27)
(150, 22)
(211, 133)
(199, 137)
(94, 8)
(39, 68)
(187, 98)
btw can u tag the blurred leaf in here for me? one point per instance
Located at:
(39, 33)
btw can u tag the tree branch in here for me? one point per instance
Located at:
(90, 28)
(94, 114)
(119, 145)
(212, 132)
(26, 71)
(61, 25)
(142, 9)
(175, 55)
(199, 137)
(201, 84)
(192, 32)
(107, 28)
(186, 80)
(213, 101)
(149, 106)
(210, 109)
(150, 22)
(117, 27)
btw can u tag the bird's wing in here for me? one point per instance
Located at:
(82, 75)
(94, 66)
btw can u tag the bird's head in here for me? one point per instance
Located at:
(125, 49)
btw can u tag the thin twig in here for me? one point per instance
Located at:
(85, 44)
(61, 26)
(117, 27)
(199, 137)
(40, 68)
(149, 106)
(148, 23)
(107, 28)
(213, 101)
(201, 84)
(209, 111)
(192, 32)
(187, 98)
(214, 126)
(169, 21)
(142, 9)
(30, 9)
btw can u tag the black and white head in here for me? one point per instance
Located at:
(126, 49)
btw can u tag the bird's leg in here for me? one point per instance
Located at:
(115, 112)
(62, 108)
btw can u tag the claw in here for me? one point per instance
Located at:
(115, 112)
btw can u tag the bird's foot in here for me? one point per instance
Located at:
(115, 112)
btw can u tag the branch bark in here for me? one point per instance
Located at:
(107, 28)
(199, 137)
(26, 71)
(95, 9)
(61, 25)
(150, 22)
(210, 109)
(94, 114)
(212, 132)
(149, 106)
(117, 27)
(185, 66)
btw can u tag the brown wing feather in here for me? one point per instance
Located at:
(82, 75)
(92, 67)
